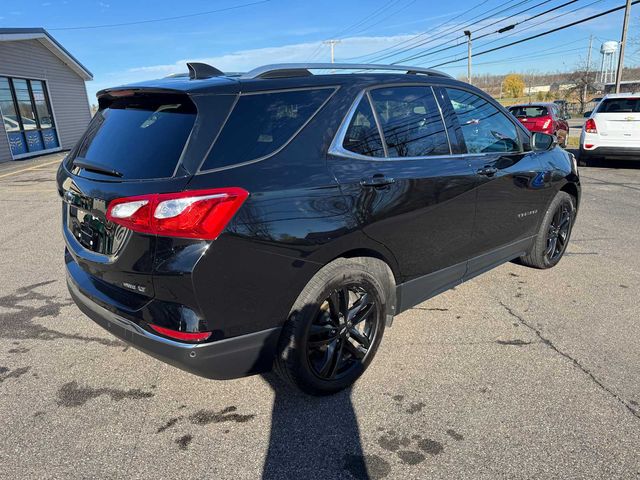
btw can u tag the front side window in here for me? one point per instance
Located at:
(410, 121)
(262, 123)
(485, 128)
(26, 115)
(362, 136)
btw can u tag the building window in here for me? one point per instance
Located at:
(26, 115)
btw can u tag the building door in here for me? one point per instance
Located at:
(27, 116)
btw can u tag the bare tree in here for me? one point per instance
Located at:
(584, 80)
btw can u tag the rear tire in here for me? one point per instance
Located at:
(336, 325)
(555, 231)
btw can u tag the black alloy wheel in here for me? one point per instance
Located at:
(558, 233)
(341, 335)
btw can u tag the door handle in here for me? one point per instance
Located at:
(376, 181)
(487, 171)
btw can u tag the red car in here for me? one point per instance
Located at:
(543, 117)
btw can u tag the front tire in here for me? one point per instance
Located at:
(336, 325)
(555, 231)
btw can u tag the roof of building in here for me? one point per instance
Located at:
(45, 38)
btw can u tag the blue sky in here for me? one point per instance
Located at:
(268, 31)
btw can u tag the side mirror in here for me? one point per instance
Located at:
(543, 141)
(588, 114)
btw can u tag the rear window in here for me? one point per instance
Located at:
(620, 105)
(529, 112)
(141, 137)
(262, 123)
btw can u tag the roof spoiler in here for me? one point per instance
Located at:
(198, 71)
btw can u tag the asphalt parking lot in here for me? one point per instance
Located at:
(518, 374)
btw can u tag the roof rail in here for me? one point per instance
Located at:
(280, 70)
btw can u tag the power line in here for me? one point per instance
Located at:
(404, 7)
(164, 19)
(409, 40)
(364, 20)
(546, 20)
(343, 31)
(455, 28)
(519, 32)
(548, 32)
(432, 50)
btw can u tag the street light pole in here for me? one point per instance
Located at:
(588, 73)
(623, 41)
(468, 34)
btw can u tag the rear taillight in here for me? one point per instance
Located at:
(182, 336)
(590, 126)
(546, 124)
(201, 214)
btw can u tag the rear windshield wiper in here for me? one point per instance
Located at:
(96, 168)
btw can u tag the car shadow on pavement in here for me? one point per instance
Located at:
(315, 437)
(312, 437)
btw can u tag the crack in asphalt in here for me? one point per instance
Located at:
(615, 184)
(575, 362)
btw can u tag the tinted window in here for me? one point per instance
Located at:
(410, 121)
(7, 107)
(262, 123)
(140, 137)
(620, 105)
(529, 111)
(484, 127)
(362, 135)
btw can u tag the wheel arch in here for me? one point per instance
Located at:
(572, 189)
(370, 252)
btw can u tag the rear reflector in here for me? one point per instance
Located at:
(183, 336)
(590, 126)
(200, 214)
(588, 145)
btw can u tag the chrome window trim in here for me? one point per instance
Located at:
(284, 145)
(376, 119)
(336, 148)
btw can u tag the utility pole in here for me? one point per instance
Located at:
(468, 34)
(332, 44)
(623, 41)
(588, 73)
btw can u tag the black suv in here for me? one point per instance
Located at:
(227, 223)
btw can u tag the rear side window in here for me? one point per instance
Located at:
(529, 112)
(362, 135)
(262, 123)
(620, 105)
(142, 137)
(410, 121)
(485, 128)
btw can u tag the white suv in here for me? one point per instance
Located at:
(613, 129)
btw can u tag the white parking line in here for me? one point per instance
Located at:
(35, 167)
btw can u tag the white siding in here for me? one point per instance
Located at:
(31, 59)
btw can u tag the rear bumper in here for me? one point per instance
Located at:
(618, 153)
(223, 359)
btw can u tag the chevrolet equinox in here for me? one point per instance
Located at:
(228, 223)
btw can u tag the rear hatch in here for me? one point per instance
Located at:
(535, 118)
(140, 142)
(619, 119)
